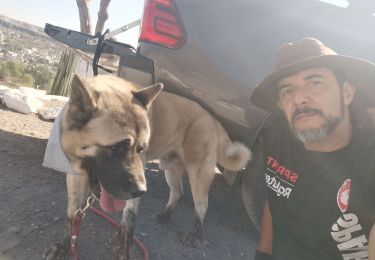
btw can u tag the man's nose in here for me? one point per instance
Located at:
(300, 97)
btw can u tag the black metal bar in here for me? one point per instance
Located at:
(78, 40)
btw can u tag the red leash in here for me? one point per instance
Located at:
(75, 233)
(141, 246)
(76, 224)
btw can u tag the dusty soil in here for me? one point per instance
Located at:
(33, 204)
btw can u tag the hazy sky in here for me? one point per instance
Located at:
(64, 13)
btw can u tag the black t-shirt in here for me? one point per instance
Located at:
(322, 203)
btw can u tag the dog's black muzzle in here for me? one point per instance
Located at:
(116, 180)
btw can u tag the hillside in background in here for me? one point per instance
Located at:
(27, 55)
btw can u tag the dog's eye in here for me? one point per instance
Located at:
(127, 142)
(121, 146)
(116, 148)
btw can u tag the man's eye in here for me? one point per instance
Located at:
(315, 83)
(285, 92)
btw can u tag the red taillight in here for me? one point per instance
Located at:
(161, 24)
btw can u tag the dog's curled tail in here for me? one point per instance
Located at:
(233, 156)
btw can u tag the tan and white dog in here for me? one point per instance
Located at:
(111, 127)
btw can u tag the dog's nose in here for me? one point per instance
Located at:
(138, 193)
(137, 190)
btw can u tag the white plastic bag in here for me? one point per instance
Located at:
(3, 89)
(54, 98)
(32, 92)
(21, 103)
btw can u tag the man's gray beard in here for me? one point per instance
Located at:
(312, 135)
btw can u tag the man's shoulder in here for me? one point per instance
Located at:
(364, 139)
(364, 152)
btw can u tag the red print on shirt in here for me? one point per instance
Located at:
(282, 170)
(343, 196)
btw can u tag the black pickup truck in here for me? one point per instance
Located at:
(215, 52)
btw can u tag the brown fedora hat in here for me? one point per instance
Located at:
(309, 53)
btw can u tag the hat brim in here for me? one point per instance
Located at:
(360, 73)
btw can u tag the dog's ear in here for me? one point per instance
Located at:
(82, 102)
(148, 94)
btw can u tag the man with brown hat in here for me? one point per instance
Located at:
(319, 155)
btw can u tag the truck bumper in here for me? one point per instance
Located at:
(136, 68)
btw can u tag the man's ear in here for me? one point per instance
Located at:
(348, 92)
(82, 103)
(147, 95)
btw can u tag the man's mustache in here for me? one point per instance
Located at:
(306, 110)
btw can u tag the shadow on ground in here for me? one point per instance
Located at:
(33, 203)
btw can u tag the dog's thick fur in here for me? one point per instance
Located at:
(111, 127)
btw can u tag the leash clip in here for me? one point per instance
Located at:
(89, 202)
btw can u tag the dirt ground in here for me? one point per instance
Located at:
(33, 204)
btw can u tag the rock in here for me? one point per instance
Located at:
(14, 230)
(7, 244)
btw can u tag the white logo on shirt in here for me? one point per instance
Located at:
(278, 185)
(347, 232)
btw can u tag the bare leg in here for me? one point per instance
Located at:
(124, 238)
(102, 16)
(84, 15)
(78, 191)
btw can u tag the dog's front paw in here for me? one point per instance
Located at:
(122, 244)
(58, 251)
(163, 216)
(120, 253)
(193, 239)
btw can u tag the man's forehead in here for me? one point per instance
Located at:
(305, 74)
